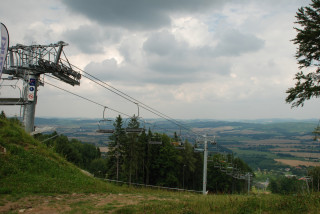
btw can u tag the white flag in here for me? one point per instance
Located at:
(4, 46)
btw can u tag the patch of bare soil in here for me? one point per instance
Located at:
(96, 203)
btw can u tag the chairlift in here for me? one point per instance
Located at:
(198, 150)
(236, 175)
(216, 165)
(13, 101)
(155, 140)
(209, 140)
(105, 125)
(136, 130)
(179, 147)
(229, 170)
(179, 144)
(223, 170)
(213, 142)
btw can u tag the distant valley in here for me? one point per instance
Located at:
(263, 144)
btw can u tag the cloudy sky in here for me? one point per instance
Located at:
(217, 59)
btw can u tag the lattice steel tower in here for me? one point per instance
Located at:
(28, 63)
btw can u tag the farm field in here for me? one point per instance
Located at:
(259, 143)
(296, 163)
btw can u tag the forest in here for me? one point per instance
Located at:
(140, 156)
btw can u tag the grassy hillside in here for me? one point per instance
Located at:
(34, 179)
(28, 166)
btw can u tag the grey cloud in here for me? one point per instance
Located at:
(161, 43)
(91, 39)
(166, 55)
(105, 70)
(108, 70)
(234, 43)
(138, 14)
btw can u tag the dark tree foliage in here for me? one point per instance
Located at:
(308, 55)
(314, 173)
(132, 151)
(3, 115)
(286, 186)
(115, 155)
(98, 167)
(221, 182)
(131, 158)
(74, 151)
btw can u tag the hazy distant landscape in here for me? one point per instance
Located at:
(263, 144)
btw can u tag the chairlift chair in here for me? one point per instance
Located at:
(13, 101)
(213, 142)
(137, 130)
(179, 147)
(155, 140)
(242, 176)
(198, 150)
(229, 170)
(105, 125)
(216, 165)
(105, 130)
(236, 175)
(134, 130)
(178, 144)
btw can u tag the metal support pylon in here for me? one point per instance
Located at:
(28, 63)
(205, 165)
(29, 110)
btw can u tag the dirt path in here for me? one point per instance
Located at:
(90, 203)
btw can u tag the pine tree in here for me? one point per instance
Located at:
(115, 155)
(308, 55)
(132, 150)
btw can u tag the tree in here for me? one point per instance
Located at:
(286, 185)
(132, 150)
(116, 149)
(308, 55)
(3, 115)
(187, 166)
(164, 165)
(314, 173)
(98, 167)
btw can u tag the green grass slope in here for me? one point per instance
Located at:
(34, 173)
(30, 167)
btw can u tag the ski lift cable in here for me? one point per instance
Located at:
(121, 94)
(130, 98)
(133, 101)
(118, 92)
(105, 107)
(87, 99)
(142, 105)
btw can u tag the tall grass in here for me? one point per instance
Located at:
(29, 167)
(232, 204)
